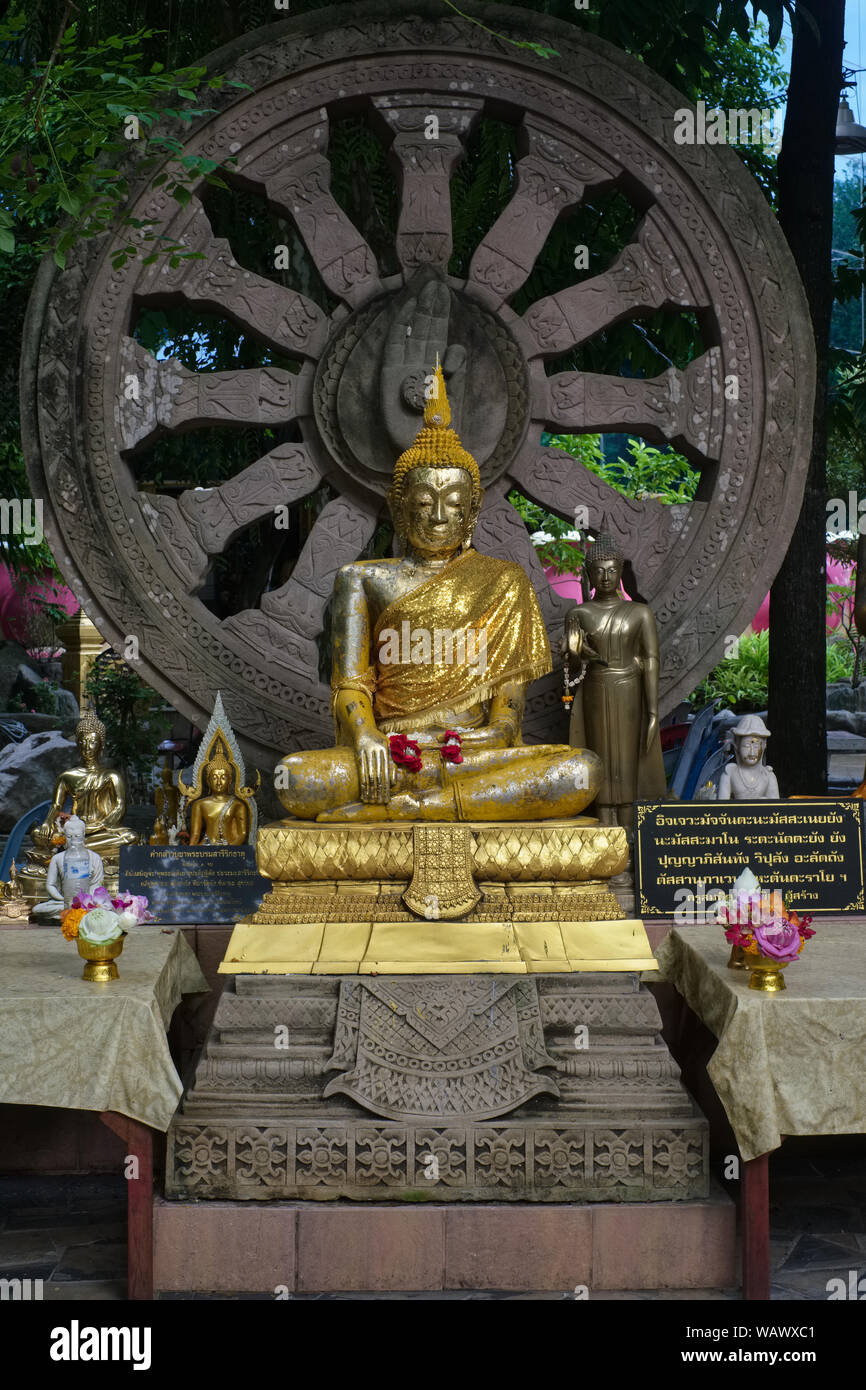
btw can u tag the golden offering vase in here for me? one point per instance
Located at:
(100, 959)
(766, 974)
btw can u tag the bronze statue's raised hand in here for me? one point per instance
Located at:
(575, 641)
(375, 768)
(418, 334)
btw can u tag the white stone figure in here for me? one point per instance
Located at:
(73, 870)
(749, 778)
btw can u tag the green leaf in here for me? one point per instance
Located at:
(7, 239)
(59, 258)
(180, 194)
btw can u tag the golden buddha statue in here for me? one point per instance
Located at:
(167, 801)
(98, 796)
(217, 816)
(615, 709)
(433, 652)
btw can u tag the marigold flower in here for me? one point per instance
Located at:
(69, 920)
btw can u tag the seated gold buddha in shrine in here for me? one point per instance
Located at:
(433, 653)
(96, 793)
(217, 816)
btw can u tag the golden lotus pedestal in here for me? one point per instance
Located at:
(439, 898)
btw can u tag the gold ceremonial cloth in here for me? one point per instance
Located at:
(497, 634)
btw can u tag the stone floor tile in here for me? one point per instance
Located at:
(104, 1259)
(102, 1215)
(811, 1219)
(811, 1284)
(30, 1254)
(827, 1252)
(85, 1291)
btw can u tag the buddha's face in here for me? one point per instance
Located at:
(89, 745)
(218, 780)
(751, 749)
(604, 576)
(436, 505)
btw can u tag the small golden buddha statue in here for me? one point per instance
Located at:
(616, 710)
(433, 653)
(217, 816)
(167, 800)
(97, 793)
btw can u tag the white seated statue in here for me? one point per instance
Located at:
(749, 778)
(73, 870)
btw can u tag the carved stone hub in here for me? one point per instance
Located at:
(419, 1063)
(591, 120)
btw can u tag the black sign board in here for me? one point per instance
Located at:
(812, 851)
(209, 883)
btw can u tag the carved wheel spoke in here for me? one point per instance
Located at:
(427, 142)
(280, 317)
(94, 400)
(551, 178)
(655, 271)
(292, 168)
(685, 409)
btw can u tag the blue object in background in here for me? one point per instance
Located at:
(34, 816)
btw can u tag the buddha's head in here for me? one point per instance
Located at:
(604, 562)
(218, 775)
(90, 737)
(436, 492)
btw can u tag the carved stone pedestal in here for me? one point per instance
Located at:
(548, 1088)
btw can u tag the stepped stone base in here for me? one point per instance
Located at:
(466, 1088)
(284, 1248)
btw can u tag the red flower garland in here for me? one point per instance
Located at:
(450, 749)
(405, 752)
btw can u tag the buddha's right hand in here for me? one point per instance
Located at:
(575, 641)
(375, 769)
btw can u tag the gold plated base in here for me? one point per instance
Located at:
(427, 899)
(436, 948)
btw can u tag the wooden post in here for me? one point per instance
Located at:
(139, 1204)
(755, 1221)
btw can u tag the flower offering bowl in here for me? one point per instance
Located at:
(100, 959)
(766, 973)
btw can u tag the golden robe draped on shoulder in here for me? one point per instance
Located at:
(497, 635)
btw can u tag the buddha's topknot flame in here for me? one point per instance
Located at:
(436, 444)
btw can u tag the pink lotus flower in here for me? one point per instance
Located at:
(779, 939)
(132, 909)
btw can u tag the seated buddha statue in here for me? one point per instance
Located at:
(97, 793)
(217, 816)
(433, 652)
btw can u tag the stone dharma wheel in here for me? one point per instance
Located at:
(588, 119)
